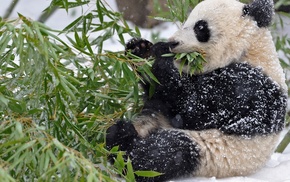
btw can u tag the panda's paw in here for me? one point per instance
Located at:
(121, 134)
(139, 47)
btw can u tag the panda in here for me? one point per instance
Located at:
(219, 122)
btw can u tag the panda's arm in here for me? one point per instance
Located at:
(163, 68)
(254, 103)
(156, 112)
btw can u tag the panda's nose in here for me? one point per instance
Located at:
(173, 44)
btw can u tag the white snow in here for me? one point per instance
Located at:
(278, 167)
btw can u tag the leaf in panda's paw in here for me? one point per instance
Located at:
(168, 55)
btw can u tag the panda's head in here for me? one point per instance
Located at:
(227, 31)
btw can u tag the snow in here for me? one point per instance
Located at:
(277, 168)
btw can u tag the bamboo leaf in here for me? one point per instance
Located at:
(20, 149)
(5, 38)
(65, 86)
(3, 99)
(130, 173)
(100, 12)
(148, 72)
(147, 173)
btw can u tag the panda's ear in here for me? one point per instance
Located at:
(261, 10)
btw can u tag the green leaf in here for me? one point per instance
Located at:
(100, 11)
(182, 63)
(147, 70)
(119, 162)
(3, 99)
(130, 173)
(194, 62)
(127, 72)
(147, 173)
(168, 55)
(137, 31)
(152, 89)
(20, 149)
(17, 106)
(67, 87)
(73, 24)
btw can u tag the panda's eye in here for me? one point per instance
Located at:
(201, 31)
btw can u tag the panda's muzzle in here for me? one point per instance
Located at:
(173, 44)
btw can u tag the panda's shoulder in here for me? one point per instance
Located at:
(243, 73)
(240, 69)
(237, 76)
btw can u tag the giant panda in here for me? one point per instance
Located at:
(222, 121)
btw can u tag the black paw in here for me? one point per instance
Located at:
(161, 48)
(120, 134)
(139, 47)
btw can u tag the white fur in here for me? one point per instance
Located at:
(146, 124)
(226, 155)
(234, 38)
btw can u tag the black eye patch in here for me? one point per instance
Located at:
(201, 31)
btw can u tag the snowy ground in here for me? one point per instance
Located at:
(278, 167)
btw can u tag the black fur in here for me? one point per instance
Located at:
(166, 151)
(202, 31)
(139, 47)
(121, 134)
(261, 10)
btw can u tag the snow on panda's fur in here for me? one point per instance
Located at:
(223, 121)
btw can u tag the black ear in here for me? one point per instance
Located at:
(261, 10)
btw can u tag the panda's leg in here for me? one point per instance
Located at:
(154, 116)
(123, 133)
(223, 155)
(151, 119)
(170, 152)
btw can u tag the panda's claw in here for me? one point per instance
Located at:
(139, 47)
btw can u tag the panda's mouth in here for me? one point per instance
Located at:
(191, 63)
(199, 51)
(202, 52)
(173, 48)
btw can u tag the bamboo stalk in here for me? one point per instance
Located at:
(45, 15)
(284, 143)
(10, 9)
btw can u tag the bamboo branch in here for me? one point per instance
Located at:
(10, 9)
(284, 143)
(46, 14)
